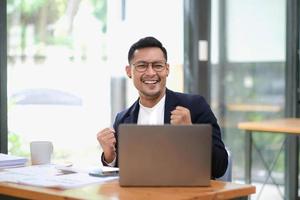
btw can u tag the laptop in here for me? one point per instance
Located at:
(164, 155)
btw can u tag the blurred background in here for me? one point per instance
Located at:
(66, 70)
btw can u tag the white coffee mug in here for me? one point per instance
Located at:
(41, 152)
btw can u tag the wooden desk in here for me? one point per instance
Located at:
(290, 126)
(112, 190)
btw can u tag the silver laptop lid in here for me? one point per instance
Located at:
(164, 155)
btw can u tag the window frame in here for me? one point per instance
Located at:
(3, 77)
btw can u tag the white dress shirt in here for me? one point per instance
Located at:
(154, 115)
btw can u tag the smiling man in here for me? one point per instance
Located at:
(148, 68)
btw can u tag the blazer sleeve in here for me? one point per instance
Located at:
(219, 153)
(115, 126)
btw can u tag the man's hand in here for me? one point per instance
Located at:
(181, 116)
(107, 140)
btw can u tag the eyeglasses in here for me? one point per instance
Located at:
(157, 66)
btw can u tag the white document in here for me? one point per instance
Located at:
(49, 176)
(7, 161)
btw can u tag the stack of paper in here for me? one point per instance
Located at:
(7, 161)
(49, 176)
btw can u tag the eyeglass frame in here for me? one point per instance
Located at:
(146, 65)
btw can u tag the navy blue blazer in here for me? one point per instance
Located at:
(200, 113)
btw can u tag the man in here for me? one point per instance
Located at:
(148, 68)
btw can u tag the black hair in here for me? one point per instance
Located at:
(146, 42)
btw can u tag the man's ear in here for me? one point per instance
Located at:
(128, 71)
(168, 69)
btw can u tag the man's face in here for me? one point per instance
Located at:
(149, 79)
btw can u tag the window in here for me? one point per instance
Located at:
(248, 76)
(62, 58)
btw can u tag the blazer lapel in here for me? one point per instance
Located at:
(170, 104)
(133, 113)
